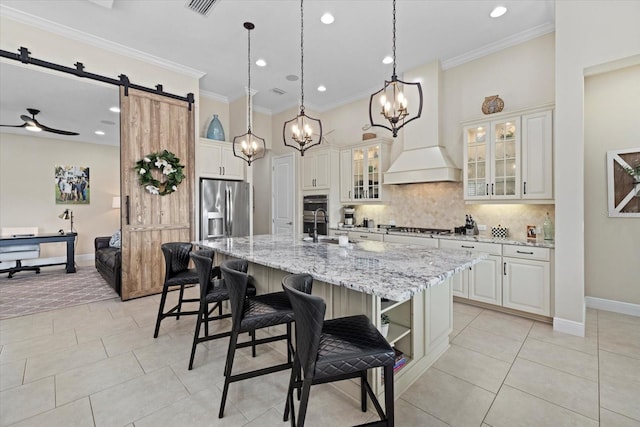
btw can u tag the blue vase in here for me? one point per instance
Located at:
(215, 130)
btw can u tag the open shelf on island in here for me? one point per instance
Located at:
(386, 305)
(397, 332)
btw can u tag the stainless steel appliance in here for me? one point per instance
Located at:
(224, 208)
(418, 230)
(349, 219)
(309, 205)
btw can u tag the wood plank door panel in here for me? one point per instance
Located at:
(153, 123)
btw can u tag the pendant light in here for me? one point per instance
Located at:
(249, 147)
(391, 98)
(303, 131)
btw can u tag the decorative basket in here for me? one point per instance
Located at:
(368, 135)
(499, 232)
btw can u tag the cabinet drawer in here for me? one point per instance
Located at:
(359, 235)
(528, 252)
(338, 233)
(490, 248)
(411, 240)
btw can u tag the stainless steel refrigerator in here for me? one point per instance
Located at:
(224, 208)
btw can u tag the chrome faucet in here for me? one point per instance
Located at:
(315, 223)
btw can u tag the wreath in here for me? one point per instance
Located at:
(167, 163)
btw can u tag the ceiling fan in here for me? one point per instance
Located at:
(30, 123)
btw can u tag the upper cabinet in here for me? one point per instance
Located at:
(509, 157)
(316, 170)
(361, 169)
(216, 160)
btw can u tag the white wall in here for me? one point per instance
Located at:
(612, 245)
(27, 196)
(587, 34)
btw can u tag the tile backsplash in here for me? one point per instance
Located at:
(440, 205)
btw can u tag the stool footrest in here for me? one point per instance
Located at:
(261, 341)
(259, 372)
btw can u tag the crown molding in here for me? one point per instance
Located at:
(73, 34)
(214, 96)
(494, 47)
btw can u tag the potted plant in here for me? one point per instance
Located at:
(384, 324)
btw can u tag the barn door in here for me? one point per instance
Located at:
(152, 123)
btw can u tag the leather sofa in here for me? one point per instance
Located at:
(108, 262)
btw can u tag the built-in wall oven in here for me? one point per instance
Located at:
(309, 205)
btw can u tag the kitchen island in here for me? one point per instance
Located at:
(410, 284)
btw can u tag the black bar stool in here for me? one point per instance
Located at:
(177, 273)
(213, 290)
(249, 314)
(335, 350)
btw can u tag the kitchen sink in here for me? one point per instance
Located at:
(325, 239)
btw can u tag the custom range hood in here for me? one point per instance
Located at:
(422, 158)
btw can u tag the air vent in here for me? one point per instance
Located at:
(278, 91)
(203, 7)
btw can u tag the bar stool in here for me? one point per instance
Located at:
(177, 273)
(335, 350)
(249, 314)
(213, 290)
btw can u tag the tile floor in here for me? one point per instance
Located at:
(98, 365)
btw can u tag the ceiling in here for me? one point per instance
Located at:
(345, 56)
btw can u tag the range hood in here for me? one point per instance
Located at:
(422, 158)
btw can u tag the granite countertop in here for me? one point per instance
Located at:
(387, 270)
(550, 244)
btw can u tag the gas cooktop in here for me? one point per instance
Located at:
(396, 229)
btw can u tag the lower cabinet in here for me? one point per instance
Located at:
(527, 279)
(365, 235)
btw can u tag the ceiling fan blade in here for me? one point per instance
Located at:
(29, 121)
(58, 131)
(15, 126)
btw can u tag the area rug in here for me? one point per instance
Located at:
(28, 293)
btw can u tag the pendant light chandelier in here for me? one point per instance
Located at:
(249, 147)
(391, 98)
(302, 132)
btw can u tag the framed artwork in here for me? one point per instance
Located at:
(72, 185)
(531, 232)
(623, 181)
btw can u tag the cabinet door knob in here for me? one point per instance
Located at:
(525, 252)
(468, 247)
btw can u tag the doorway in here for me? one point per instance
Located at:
(283, 194)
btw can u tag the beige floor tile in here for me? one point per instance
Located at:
(25, 332)
(59, 361)
(11, 374)
(449, 399)
(136, 398)
(208, 369)
(105, 329)
(165, 352)
(514, 408)
(408, 415)
(476, 368)
(26, 401)
(610, 315)
(130, 340)
(74, 414)
(462, 320)
(81, 320)
(545, 332)
(612, 419)
(271, 418)
(86, 380)
(620, 384)
(488, 343)
(200, 409)
(35, 346)
(562, 358)
(619, 336)
(466, 309)
(503, 324)
(574, 393)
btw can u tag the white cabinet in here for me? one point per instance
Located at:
(509, 157)
(316, 170)
(482, 281)
(537, 155)
(216, 160)
(411, 240)
(361, 171)
(527, 279)
(364, 235)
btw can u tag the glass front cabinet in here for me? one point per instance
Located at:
(361, 171)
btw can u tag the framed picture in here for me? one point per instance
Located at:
(623, 182)
(531, 232)
(72, 185)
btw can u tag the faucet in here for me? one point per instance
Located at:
(315, 223)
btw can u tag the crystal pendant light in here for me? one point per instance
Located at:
(391, 98)
(249, 147)
(303, 131)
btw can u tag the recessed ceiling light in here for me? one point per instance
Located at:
(322, 88)
(261, 63)
(387, 60)
(327, 18)
(292, 78)
(114, 109)
(99, 132)
(498, 11)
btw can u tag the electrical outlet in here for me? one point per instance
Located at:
(482, 227)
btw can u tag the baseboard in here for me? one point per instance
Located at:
(568, 326)
(613, 305)
(56, 260)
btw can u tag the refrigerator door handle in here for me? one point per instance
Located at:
(228, 211)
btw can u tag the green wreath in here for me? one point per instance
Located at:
(168, 164)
